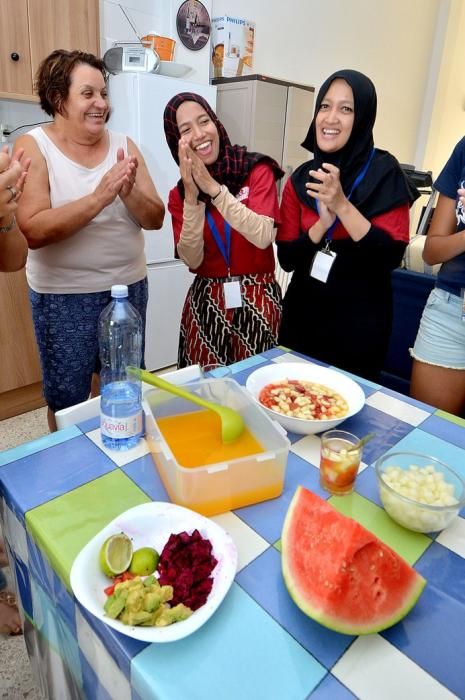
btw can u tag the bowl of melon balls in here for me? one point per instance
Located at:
(418, 491)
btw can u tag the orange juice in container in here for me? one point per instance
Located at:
(163, 45)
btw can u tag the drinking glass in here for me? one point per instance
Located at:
(340, 460)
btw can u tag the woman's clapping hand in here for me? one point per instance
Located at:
(185, 167)
(327, 190)
(13, 172)
(197, 169)
(119, 180)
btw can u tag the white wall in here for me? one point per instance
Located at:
(390, 40)
(447, 113)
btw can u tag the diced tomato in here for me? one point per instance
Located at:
(126, 576)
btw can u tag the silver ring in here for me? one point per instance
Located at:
(13, 191)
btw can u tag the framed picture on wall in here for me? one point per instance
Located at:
(193, 24)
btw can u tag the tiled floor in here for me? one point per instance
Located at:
(28, 426)
(16, 681)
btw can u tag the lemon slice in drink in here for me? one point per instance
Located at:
(144, 561)
(115, 555)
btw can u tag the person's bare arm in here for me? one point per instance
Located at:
(43, 225)
(140, 196)
(440, 244)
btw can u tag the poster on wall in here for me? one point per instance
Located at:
(193, 24)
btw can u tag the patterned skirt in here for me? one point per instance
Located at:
(212, 334)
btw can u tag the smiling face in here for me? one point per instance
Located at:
(199, 131)
(87, 105)
(335, 118)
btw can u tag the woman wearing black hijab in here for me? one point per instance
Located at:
(344, 228)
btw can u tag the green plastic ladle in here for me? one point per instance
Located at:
(232, 423)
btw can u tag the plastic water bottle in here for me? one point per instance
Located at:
(120, 345)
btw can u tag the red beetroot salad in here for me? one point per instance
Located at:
(186, 563)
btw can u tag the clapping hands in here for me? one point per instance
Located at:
(327, 190)
(194, 173)
(13, 172)
(119, 180)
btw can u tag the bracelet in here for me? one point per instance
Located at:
(217, 194)
(12, 224)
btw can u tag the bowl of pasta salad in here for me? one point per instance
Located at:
(303, 397)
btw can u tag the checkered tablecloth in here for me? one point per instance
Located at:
(59, 491)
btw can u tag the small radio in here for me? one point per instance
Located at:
(131, 58)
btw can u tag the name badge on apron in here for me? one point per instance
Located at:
(232, 293)
(322, 264)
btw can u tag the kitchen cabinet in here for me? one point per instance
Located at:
(267, 115)
(31, 29)
(20, 375)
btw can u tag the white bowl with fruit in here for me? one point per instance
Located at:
(304, 397)
(419, 492)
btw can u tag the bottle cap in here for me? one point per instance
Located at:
(118, 291)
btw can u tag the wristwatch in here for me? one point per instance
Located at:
(5, 229)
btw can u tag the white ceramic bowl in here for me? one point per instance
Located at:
(277, 371)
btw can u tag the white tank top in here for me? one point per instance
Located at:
(108, 250)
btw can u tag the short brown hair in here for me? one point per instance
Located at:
(53, 77)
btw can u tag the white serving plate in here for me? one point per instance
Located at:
(150, 525)
(277, 371)
(173, 70)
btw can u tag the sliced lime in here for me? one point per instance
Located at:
(144, 561)
(116, 554)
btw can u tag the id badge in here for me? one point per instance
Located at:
(322, 264)
(232, 294)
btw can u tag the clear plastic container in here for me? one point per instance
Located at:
(225, 485)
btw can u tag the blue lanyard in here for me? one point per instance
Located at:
(358, 180)
(225, 250)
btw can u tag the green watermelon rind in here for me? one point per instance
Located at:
(331, 622)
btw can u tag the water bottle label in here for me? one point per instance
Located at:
(121, 427)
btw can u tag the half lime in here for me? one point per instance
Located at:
(115, 555)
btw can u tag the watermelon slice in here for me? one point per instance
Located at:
(339, 573)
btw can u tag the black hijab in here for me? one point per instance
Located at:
(384, 186)
(233, 164)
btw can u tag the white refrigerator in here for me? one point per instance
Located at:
(138, 101)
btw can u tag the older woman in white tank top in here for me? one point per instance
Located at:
(87, 197)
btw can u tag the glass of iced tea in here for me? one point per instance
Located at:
(340, 460)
